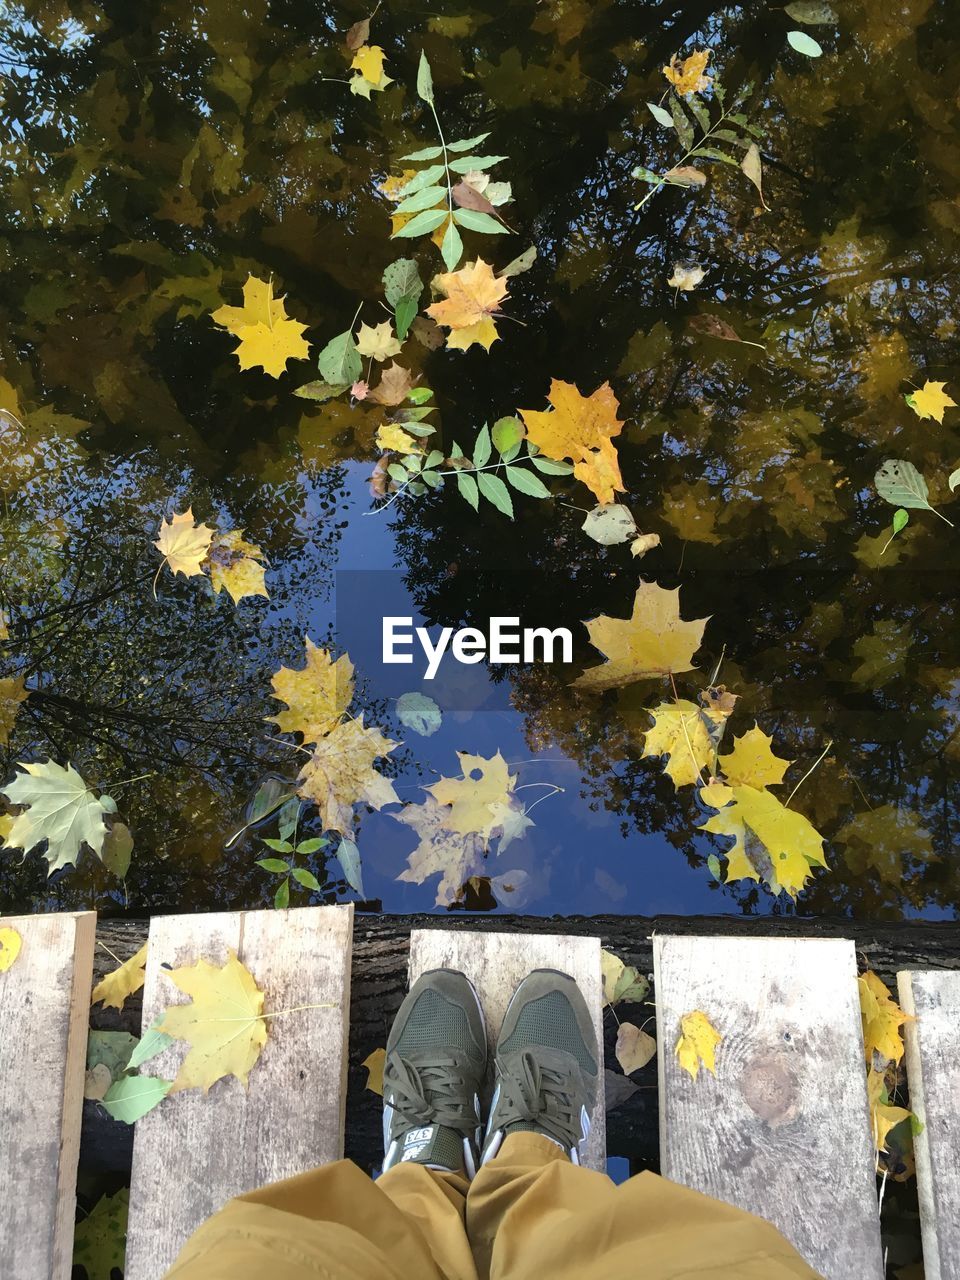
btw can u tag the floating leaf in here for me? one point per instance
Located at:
(59, 808)
(660, 115)
(316, 696)
(804, 44)
(686, 276)
(184, 544)
(473, 297)
(348, 855)
(424, 79)
(580, 428)
(519, 264)
(418, 712)
(812, 12)
(99, 1239)
(753, 168)
(115, 987)
(900, 483)
(340, 773)
(339, 362)
(687, 76)
(374, 1063)
(377, 342)
(652, 641)
(610, 523)
(930, 401)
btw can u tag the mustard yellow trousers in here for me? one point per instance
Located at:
(527, 1215)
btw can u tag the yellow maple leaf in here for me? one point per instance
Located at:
(770, 841)
(340, 774)
(393, 437)
(473, 297)
(687, 76)
(680, 733)
(752, 763)
(881, 1019)
(883, 1116)
(223, 1023)
(377, 342)
(368, 60)
(270, 347)
(653, 641)
(114, 988)
(451, 855)
(12, 693)
(930, 401)
(259, 307)
(374, 1063)
(580, 428)
(268, 338)
(476, 798)
(184, 544)
(10, 944)
(317, 695)
(698, 1043)
(234, 564)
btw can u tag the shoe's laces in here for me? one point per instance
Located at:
(431, 1092)
(543, 1095)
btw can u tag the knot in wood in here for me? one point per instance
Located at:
(770, 1088)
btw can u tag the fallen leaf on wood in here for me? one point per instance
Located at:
(10, 944)
(698, 1043)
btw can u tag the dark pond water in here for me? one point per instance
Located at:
(156, 154)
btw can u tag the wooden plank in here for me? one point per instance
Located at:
(933, 1075)
(44, 1006)
(496, 962)
(783, 1129)
(197, 1150)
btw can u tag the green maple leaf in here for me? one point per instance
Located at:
(99, 1242)
(59, 808)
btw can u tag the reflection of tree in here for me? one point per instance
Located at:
(156, 153)
(125, 684)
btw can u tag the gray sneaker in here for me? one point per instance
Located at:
(546, 1065)
(436, 1059)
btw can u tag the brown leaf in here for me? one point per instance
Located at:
(467, 198)
(635, 1047)
(617, 1089)
(358, 34)
(360, 390)
(685, 175)
(714, 327)
(427, 332)
(394, 386)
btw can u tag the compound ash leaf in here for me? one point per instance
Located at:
(223, 1023)
(698, 1043)
(12, 693)
(58, 807)
(316, 696)
(234, 564)
(653, 641)
(473, 297)
(680, 733)
(184, 544)
(770, 841)
(930, 401)
(881, 1019)
(687, 76)
(580, 428)
(476, 798)
(751, 762)
(377, 342)
(340, 774)
(452, 855)
(113, 989)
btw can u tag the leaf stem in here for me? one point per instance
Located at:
(683, 159)
(443, 144)
(807, 774)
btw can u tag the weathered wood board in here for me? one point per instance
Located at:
(496, 962)
(933, 1076)
(197, 1150)
(783, 1128)
(44, 1007)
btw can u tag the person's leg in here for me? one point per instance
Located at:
(337, 1223)
(334, 1222)
(532, 1212)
